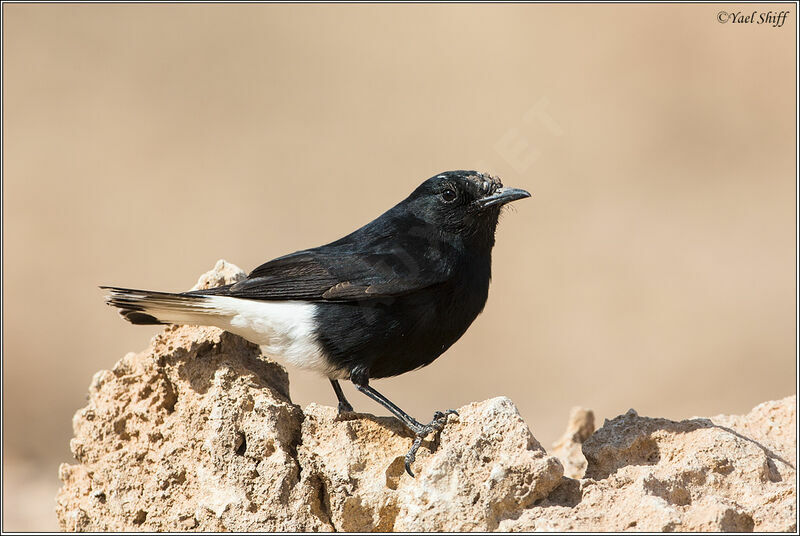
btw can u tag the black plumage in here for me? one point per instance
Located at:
(393, 295)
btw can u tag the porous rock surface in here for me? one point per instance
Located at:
(198, 433)
(724, 473)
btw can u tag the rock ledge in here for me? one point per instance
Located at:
(198, 433)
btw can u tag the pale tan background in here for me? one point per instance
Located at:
(653, 268)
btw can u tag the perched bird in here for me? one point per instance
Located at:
(388, 298)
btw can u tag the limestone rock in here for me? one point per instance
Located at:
(485, 466)
(176, 437)
(568, 449)
(198, 433)
(645, 474)
(223, 273)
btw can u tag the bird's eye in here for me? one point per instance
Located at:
(449, 195)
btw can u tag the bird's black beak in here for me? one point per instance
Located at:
(501, 196)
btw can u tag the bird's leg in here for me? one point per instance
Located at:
(421, 431)
(344, 405)
(410, 422)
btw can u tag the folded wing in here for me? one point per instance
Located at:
(314, 275)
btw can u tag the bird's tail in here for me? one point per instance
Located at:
(150, 307)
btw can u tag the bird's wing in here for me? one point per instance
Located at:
(315, 275)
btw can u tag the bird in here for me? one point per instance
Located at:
(388, 298)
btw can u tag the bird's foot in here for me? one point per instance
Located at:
(345, 407)
(436, 425)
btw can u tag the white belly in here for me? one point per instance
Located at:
(285, 330)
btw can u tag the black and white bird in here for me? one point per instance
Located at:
(388, 298)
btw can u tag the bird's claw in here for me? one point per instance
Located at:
(345, 408)
(412, 455)
(440, 420)
(437, 424)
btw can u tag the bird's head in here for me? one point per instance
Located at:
(465, 203)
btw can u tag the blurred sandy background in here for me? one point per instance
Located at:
(654, 267)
